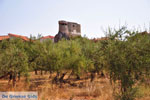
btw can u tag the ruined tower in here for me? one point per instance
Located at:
(69, 28)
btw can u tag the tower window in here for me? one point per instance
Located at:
(63, 24)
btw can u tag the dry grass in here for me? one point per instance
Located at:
(100, 89)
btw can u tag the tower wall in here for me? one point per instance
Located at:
(63, 27)
(70, 28)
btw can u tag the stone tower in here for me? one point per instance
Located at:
(69, 28)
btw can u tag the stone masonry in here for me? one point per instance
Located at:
(69, 28)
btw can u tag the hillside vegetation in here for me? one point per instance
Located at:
(122, 60)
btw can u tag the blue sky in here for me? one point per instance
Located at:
(35, 17)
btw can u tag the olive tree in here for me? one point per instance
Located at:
(127, 60)
(13, 59)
